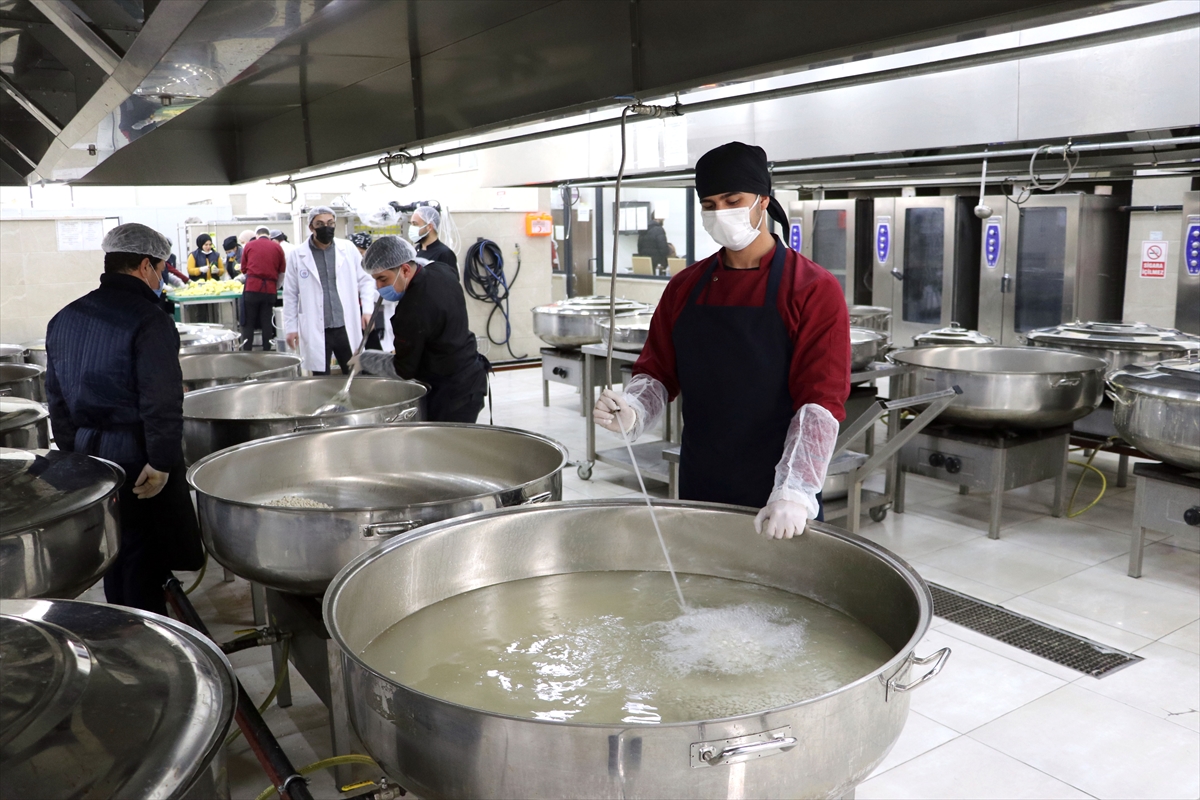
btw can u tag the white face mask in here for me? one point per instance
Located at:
(730, 227)
(414, 233)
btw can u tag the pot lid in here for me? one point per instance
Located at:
(11, 350)
(17, 413)
(39, 487)
(865, 335)
(36, 344)
(121, 702)
(1118, 335)
(591, 306)
(952, 334)
(868, 311)
(632, 322)
(1177, 379)
(15, 373)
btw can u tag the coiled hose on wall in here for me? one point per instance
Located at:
(484, 279)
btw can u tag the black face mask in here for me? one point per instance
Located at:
(324, 234)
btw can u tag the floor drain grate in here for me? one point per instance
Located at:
(1052, 644)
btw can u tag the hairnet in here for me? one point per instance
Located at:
(313, 213)
(133, 237)
(430, 215)
(275, 234)
(388, 252)
(361, 240)
(262, 230)
(230, 243)
(737, 167)
(202, 239)
(245, 236)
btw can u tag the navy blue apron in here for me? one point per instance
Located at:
(733, 364)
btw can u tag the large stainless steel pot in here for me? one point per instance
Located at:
(224, 416)
(195, 338)
(440, 750)
(103, 701)
(877, 318)
(24, 424)
(12, 353)
(866, 346)
(220, 369)
(1016, 387)
(632, 331)
(58, 522)
(575, 322)
(1118, 343)
(23, 380)
(1157, 409)
(952, 334)
(378, 481)
(35, 353)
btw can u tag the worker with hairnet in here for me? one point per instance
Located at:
(115, 391)
(423, 233)
(327, 299)
(756, 339)
(432, 337)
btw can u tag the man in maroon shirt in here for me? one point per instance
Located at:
(757, 339)
(262, 264)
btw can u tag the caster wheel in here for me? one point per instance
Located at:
(878, 514)
(585, 472)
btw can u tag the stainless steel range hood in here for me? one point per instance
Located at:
(222, 91)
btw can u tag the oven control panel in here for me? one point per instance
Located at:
(991, 242)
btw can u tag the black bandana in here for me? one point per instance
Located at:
(737, 167)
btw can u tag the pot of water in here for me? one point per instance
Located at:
(541, 652)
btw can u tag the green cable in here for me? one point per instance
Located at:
(199, 577)
(1103, 483)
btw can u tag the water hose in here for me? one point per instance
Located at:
(487, 282)
(279, 678)
(199, 577)
(1103, 482)
(325, 763)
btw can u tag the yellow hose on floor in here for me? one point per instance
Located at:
(283, 671)
(325, 763)
(1103, 484)
(199, 577)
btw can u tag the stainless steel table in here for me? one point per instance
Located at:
(1165, 499)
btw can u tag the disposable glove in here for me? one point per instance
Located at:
(782, 519)
(149, 483)
(640, 406)
(807, 450)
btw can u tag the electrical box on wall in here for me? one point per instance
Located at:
(538, 223)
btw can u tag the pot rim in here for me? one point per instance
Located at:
(562, 451)
(891, 667)
(119, 477)
(296, 417)
(1098, 365)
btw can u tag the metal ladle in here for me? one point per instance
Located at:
(340, 402)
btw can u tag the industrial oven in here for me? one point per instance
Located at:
(1187, 296)
(1052, 259)
(837, 235)
(926, 255)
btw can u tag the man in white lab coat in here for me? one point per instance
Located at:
(327, 298)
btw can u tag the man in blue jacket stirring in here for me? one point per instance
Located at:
(115, 391)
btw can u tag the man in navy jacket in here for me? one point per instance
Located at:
(115, 391)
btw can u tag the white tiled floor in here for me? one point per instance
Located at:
(998, 722)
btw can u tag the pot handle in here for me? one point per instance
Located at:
(405, 415)
(538, 498)
(1069, 381)
(380, 530)
(752, 749)
(1116, 397)
(320, 426)
(940, 657)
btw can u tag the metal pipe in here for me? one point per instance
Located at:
(17, 150)
(1153, 209)
(274, 761)
(1156, 28)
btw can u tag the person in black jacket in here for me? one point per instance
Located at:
(652, 242)
(433, 341)
(423, 232)
(115, 391)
